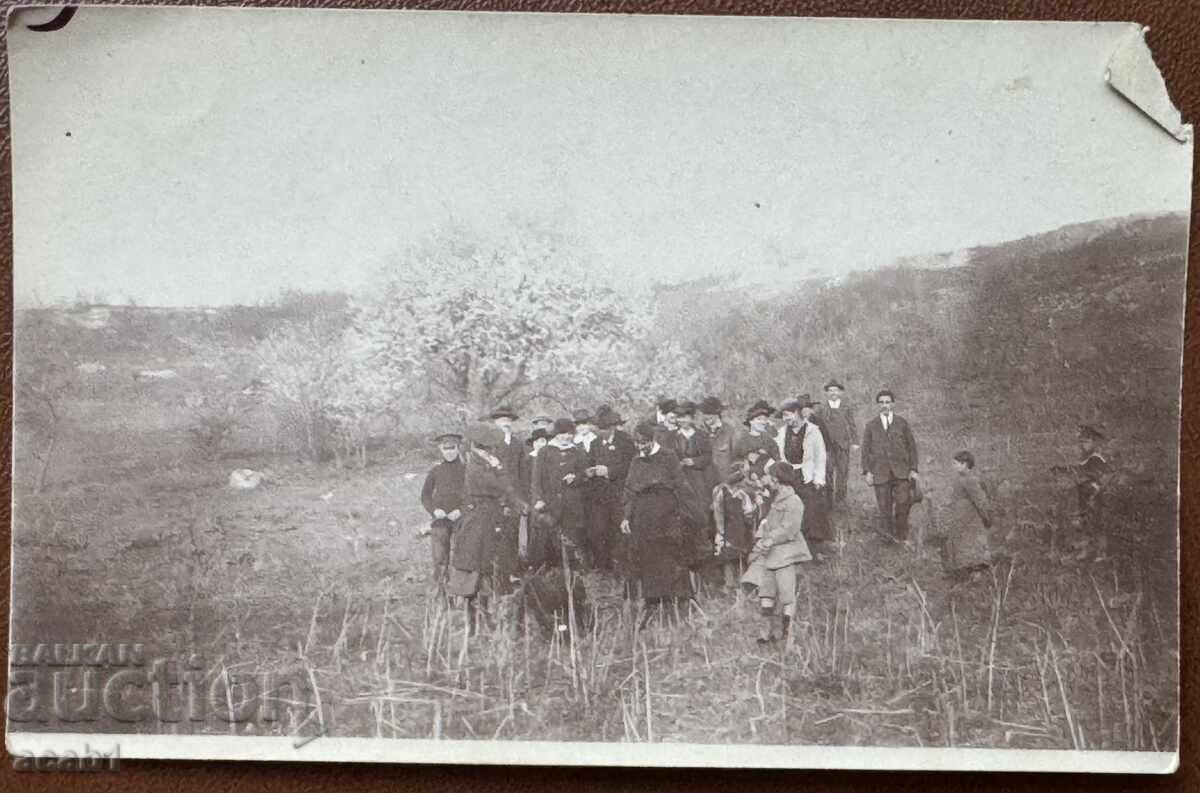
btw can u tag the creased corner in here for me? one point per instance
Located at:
(1133, 74)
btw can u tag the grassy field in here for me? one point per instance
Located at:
(132, 534)
(319, 573)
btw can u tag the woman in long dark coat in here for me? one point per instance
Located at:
(659, 519)
(557, 486)
(694, 451)
(480, 561)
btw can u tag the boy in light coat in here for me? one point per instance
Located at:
(778, 548)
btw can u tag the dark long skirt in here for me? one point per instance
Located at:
(658, 547)
(816, 526)
(485, 548)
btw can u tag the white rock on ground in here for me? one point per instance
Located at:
(245, 479)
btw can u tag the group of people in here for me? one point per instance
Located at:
(682, 496)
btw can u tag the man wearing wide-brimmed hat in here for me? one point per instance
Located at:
(837, 416)
(442, 498)
(512, 449)
(608, 463)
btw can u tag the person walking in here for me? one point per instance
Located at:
(889, 465)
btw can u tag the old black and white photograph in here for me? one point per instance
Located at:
(581, 389)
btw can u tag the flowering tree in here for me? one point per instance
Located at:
(475, 326)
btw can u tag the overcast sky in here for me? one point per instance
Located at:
(211, 156)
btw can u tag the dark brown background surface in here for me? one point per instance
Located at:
(1175, 40)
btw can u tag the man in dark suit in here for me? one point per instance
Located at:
(889, 463)
(608, 463)
(841, 430)
(511, 453)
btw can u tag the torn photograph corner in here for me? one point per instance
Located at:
(566, 389)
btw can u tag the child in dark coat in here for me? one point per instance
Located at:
(442, 496)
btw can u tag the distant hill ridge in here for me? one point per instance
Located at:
(1168, 231)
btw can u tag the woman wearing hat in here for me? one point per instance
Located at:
(480, 561)
(657, 506)
(557, 491)
(758, 427)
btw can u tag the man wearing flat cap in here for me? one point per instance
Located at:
(442, 497)
(512, 454)
(841, 429)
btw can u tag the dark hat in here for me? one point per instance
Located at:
(441, 523)
(544, 521)
(448, 436)
(504, 411)
(541, 417)
(485, 435)
(759, 408)
(582, 416)
(563, 427)
(667, 405)
(646, 430)
(711, 406)
(792, 404)
(607, 417)
(1088, 431)
(538, 433)
(685, 408)
(833, 384)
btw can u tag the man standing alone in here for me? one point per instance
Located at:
(889, 463)
(838, 418)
